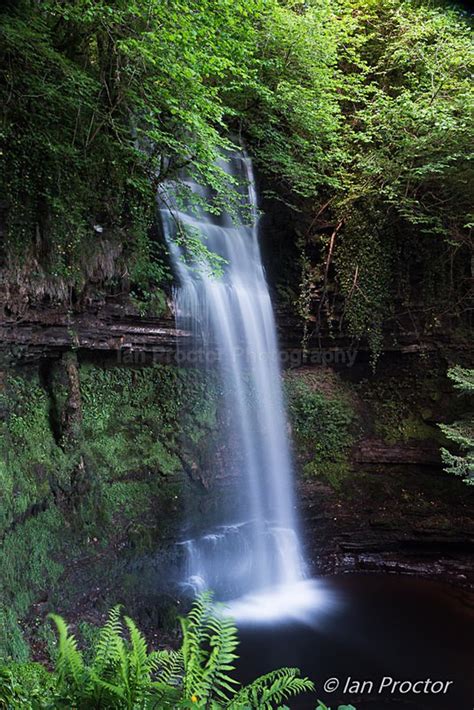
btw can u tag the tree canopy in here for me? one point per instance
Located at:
(358, 112)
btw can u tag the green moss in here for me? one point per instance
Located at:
(128, 498)
(393, 428)
(322, 417)
(31, 457)
(336, 473)
(413, 427)
(138, 419)
(12, 642)
(138, 427)
(402, 406)
(139, 500)
(29, 570)
(32, 527)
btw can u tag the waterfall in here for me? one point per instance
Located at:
(231, 312)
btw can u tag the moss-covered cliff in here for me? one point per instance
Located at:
(106, 459)
(373, 492)
(94, 468)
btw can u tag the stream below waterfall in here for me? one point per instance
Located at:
(370, 627)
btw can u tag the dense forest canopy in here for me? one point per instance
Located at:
(357, 112)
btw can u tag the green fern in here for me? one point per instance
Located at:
(169, 664)
(106, 650)
(271, 689)
(209, 644)
(138, 662)
(169, 669)
(123, 675)
(214, 679)
(69, 663)
(461, 433)
(194, 637)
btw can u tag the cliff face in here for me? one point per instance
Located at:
(110, 440)
(96, 462)
(373, 493)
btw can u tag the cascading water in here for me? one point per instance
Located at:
(259, 550)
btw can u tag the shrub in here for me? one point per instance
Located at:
(461, 433)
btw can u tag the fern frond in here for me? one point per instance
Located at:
(215, 681)
(116, 690)
(106, 655)
(163, 696)
(271, 689)
(69, 662)
(195, 632)
(462, 378)
(169, 665)
(124, 668)
(159, 660)
(138, 660)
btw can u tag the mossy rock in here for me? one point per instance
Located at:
(119, 488)
(323, 420)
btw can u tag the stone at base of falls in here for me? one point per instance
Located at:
(305, 602)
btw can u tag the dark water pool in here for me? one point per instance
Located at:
(371, 628)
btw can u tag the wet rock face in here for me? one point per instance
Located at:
(404, 519)
(96, 465)
(382, 502)
(101, 459)
(377, 451)
(111, 325)
(111, 330)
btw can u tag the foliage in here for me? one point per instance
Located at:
(387, 205)
(462, 379)
(124, 674)
(102, 101)
(358, 112)
(409, 156)
(25, 685)
(461, 433)
(322, 422)
(291, 113)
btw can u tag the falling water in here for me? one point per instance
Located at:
(232, 313)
